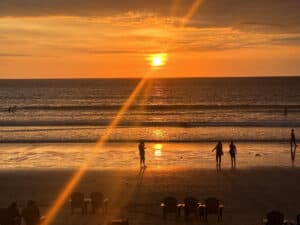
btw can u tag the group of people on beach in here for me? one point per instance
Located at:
(219, 151)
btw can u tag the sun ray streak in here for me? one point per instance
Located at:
(191, 12)
(184, 20)
(175, 7)
(62, 197)
(66, 191)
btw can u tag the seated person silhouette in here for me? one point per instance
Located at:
(31, 213)
(13, 215)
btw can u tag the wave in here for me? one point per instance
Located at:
(102, 124)
(292, 108)
(91, 140)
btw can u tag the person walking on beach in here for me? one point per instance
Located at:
(293, 145)
(293, 139)
(142, 154)
(219, 152)
(232, 152)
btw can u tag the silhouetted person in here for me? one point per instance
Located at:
(293, 144)
(293, 139)
(142, 154)
(232, 152)
(219, 152)
(31, 213)
(13, 215)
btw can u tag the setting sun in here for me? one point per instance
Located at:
(158, 60)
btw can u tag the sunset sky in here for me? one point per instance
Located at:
(114, 38)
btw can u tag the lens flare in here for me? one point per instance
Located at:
(71, 184)
(196, 5)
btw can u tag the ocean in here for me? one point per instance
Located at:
(183, 115)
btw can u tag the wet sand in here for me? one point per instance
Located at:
(246, 193)
(125, 155)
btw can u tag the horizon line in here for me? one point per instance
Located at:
(152, 78)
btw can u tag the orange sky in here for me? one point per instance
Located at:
(205, 40)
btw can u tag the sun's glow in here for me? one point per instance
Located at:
(158, 149)
(158, 60)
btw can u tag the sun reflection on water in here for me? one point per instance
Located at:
(158, 150)
(159, 133)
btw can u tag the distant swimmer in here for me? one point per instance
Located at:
(142, 153)
(12, 109)
(219, 152)
(232, 152)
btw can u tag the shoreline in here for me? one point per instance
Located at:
(169, 155)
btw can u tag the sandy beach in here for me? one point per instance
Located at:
(246, 193)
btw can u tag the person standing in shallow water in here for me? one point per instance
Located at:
(142, 153)
(219, 152)
(232, 152)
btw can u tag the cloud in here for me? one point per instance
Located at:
(5, 54)
(256, 15)
(80, 7)
(97, 51)
(136, 27)
(286, 40)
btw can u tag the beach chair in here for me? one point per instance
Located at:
(191, 206)
(98, 201)
(170, 206)
(213, 206)
(275, 218)
(78, 202)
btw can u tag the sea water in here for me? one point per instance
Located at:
(54, 123)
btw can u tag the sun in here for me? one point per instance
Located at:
(157, 60)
